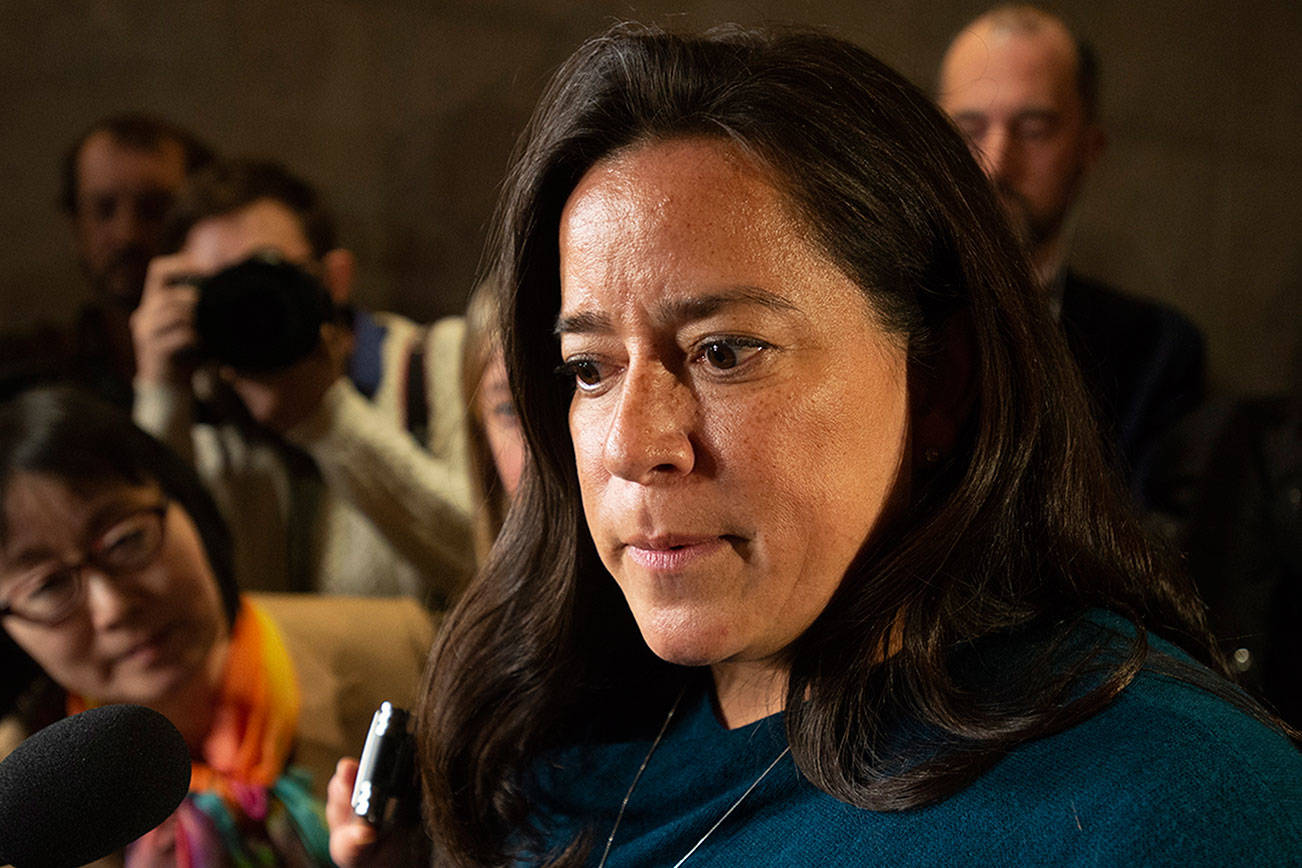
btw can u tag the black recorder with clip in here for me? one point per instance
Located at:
(386, 773)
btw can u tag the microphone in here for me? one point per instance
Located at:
(88, 785)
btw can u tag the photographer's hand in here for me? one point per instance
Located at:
(162, 326)
(281, 399)
(354, 842)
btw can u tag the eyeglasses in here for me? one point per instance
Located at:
(50, 593)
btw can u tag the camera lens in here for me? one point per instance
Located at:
(262, 314)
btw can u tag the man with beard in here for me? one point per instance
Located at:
(119, 180)
(1024, 90)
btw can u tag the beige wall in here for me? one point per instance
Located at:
(403, 111)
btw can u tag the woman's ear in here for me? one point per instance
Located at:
(943, 393)
(338, 271)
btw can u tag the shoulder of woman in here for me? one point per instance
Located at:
(1167, 771)
(442, 337)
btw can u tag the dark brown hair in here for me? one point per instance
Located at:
(1023, 524)
(226, 186)
(136, 130)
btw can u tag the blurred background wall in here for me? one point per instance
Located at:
(404, 112)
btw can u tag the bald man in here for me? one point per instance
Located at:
(1024, 90)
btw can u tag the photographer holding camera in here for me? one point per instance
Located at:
(331, 437)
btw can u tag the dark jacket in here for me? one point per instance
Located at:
(1144, 366)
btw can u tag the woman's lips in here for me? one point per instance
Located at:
(673, 553)
(150, 649)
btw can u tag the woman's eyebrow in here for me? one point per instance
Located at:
(99, 522)
(680, 310)
(30, 556)
(104, 518)
(583, 323)
(694, 307)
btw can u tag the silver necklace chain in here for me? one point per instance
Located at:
(637, 777)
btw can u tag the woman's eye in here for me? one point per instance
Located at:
(131, 542)
(128, 544)
(587, 373)
(504, 414)
(726, 353)
(53, 584)
(721, 355)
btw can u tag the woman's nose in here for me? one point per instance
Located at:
(650, 433)
(109, 600)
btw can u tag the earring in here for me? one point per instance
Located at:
(931, 455)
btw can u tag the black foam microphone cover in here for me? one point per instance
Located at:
(88, 785)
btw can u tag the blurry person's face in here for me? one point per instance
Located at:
(739, 416)
(1015, 96)
(137, 634)
(501, 424)
(123, 193)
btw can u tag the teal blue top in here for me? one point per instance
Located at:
(1166, 775)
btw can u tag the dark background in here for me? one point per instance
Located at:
(403, 112)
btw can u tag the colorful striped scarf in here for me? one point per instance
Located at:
(245, 807)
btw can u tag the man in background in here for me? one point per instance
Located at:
(1024, 90)
(118, 181)
(343, 470)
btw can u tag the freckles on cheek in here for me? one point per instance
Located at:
(767, 454)
(588, 452)
(589, 467)
(813, 459)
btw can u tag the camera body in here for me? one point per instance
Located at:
(262, 314)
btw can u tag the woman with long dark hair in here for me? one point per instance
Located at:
(117, 585)
(815, 559)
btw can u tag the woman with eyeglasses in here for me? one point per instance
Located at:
(116, 586)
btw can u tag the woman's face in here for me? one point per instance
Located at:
(500, 422)
(137, 635)
(740, 418)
